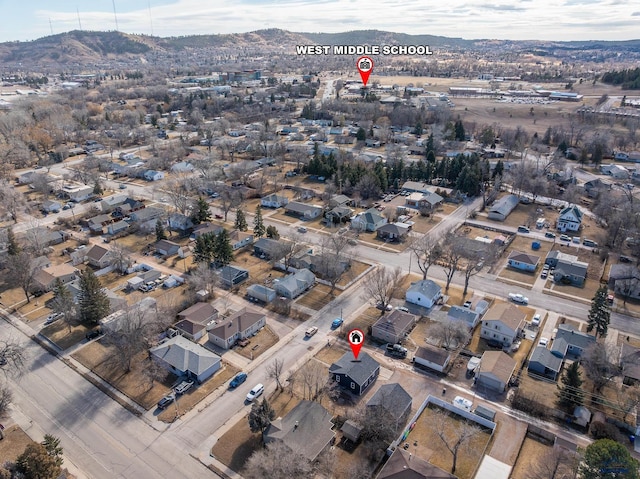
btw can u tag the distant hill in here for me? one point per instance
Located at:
(377, 37)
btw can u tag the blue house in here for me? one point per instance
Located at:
(523, 261)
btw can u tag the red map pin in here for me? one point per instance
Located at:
(356, 338)
(365, 65)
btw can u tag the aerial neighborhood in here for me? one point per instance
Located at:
(187, 244)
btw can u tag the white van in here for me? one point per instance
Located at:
(257, 390)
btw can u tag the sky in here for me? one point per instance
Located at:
(25, 20)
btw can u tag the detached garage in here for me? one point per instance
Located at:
(495, 372)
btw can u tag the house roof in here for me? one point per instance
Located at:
(505, 205)
(392, 398)
(229, 272)
(396, 323)
(358, 370)
(509, 314)
(301, 208)
(275, 198)
(339, 200)
(543, 356)
(301, 278)
(403, 465)
(166, 245)
(525, 258)
(398, 229)
(185, 355)
(351, 430)
(559, 347)
(371, 217)
(433, 355)
(459, 313)
(237, 322)
(630, 360)
(306, 429)
(560, 256)
(570, 213)
(189, 326)
(267, 244)
(571, 268)
(199, 313)
(146, 214)
(498, 364)
(237, 235)
(573, 337)
(620, 271)
(426, 287)
(97, 252)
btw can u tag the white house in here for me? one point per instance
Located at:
(274, 201)
(502, 323)
(432, 358)
(423, 293)
(295, 284)
(239, 325)
(570, 219)
(153, 175)
(184, 358)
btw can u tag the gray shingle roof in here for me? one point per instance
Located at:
(574, 338)
(359, 371)
(393, 398)
(427, 287)
(543, 356)
(184, 355)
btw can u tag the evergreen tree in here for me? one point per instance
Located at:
(160, 231)
(599, 314)
(258, 225)
(272, 232)
(222, 249)
(203, 249)
(498, 170)
(418, 130)
(241, 221)
(13, 248)
(570, 395)
(260, 416)
(63, 302)
(36, 463)
(608, 459)
(361, 135)
(202, 213)
(52, 445)
(97, 188)
(93, 301)
(459, 132)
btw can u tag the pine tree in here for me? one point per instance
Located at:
(203, 249)
(241, 221)
(13, 248)
(161, 234)
(459, 130)
(93, 301)
(63, 302)
(258, 225)
(570, 395)
(52, 445)
(202, 213)
(260, 416)
(222, 249)
(272, 232)
(599, 314)
(97, 188)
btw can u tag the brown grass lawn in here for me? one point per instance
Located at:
(259, 343)
(14, 442)
(588, 291)
(508, 273)
(455, 294)
(364, 322)
(473, 232)
(523, 244)
(318, 297)
(424, 224)
(329, 355)
(596, 266)
(132, 384)
(406, 281)
(431, 447)
(188, 401)
(531, 453)
(527, 215)
(445, 209)
(357, 268)
(59, 334)
(136, 243)
(238, 443)
(280, 215)
(542, 391)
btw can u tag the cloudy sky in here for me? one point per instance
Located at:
(504, 19)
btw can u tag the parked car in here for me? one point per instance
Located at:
(518, 298)
(257, 390)
(183, 387)
(311, 331)
(545, 267)
(165, 401)
(396, 350)
(403, 309)
(523, 229)
(565, 238)
(543, 342)
(336, 323)
(53, 317)
(238, 380)
(388, 307)
(302, 229)
(535, 321)
(589, 243)
(467, 304)
(472, 365)
(549, 234)
(93, 334)
(462, 403)
(544, 274)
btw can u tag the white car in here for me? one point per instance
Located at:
(518, 298)
(462, 403)
(535, 321)
(543, 342)
(257, 390)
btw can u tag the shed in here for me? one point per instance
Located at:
(485, 412)
(135, 282)
(351, 430)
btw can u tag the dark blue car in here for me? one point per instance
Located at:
(238, 380)
(336, 323)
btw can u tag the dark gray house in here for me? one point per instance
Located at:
(231, 276)
(355, 375)
(544, 363)
(266, 247)
(390, 403)
(577, 341)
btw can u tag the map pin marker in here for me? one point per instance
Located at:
(365, 65)
(356, 338)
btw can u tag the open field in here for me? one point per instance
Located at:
(511, 274)
(588, 291)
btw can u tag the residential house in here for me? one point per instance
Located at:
(185, 358)
(570, 219)
(199, 313)
(544, 363)
(99, 256)
(503, 323)
(424, 201)
(29, 177)
(259, 292)
(370, 220)
(630, 364)
(503, 207)
(570, 272)
(153, 175)
(240, 325)
(51, 206)
(117, 227)
(372, 143)
(166, 248)
(231, 276)
(339, 214)
(97, 223)
(267, 248)
(423, 293)
(190, 330)
(616, 171)
(393, 231)
(295, 284)
(496, 369)
(355, 375)
(109, 203)
(205, 229)
(180, 223)
(146, 216)
(577, 342)
(306, 429)
(240, 239)
(523, 261)
(404, 465)
(468, 316)
(432, 358)
(78, 193)
(391, 404)
(139, 312)
(340, 200)
(394, 327)
(594, 187)
(624, 279)
(182, 167)
(45, 278)
(302, 210)
(46, 236)
(274, 201)
(554, 256)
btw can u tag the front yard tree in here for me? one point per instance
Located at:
(277, 460)
(570, 395)
(222, 249)
(274, 370)
(52, 445)
(608, 459)
(203, 249)
(35, 462)
(13, 248)
(120, 257)
(131, 339)
(454, 434)
(601, 365)
(272, 232)
(161, 233)
(426, 250)
(258, 224)
(452, 254)
(93, 301)
(599, 314)
(381, 284)
(260, 416)
(63, 303)
(21, 272)
(241, 221)
(450, 333)
(202, 213)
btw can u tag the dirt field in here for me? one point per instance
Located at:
(14, 442)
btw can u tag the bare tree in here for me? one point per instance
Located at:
(452, 254)
(277, 460)
(287, 250)
(12, 357)
(450, 333)
(381, 284)
(334, 259)
(600, 364)
(178, 193)
(427, 251)
(627, 281)
(229, 199)
(153, 372)
(313, 379)
(455, 433)
(22, 272)
(557, 463)
(203, 278)
(132, 336)
(473, 262)
(12, 200)
(628, 399)
(120, 257)
(274, 370)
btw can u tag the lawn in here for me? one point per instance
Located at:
(531, 454)
(356, 269)
(587, 292)
(318, 297)
(14, 442)
(364, 323)
(258, 344)
(329, 355)
(521, 277)
(59, 334)
(424, 224)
